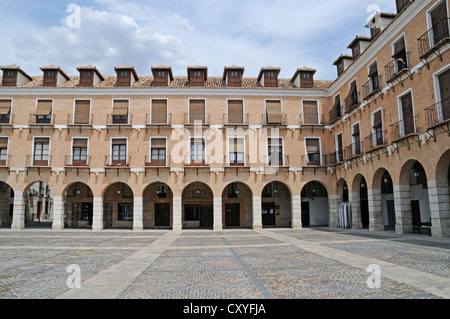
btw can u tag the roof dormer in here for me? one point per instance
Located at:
(197, 75)
(358, 45)
(232, 76)
(268, 76)
(342, 63)
(304, 78)
(126, 76)
(379, 22)
(89, 76)
(54, 76)
(162, 75)
(14, 76)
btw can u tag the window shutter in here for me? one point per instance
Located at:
(373, 69)
(44, 108)
(119, 141)
(312, 146)
(197, 111)
(399, 46)
(82, 109)
(3, 142)
(159, 111)
(120, 108)
(273, 112)
(80, 142)
(356, 130)
(377, 119)
(158, 143)
(41, 140)
(235, 112)
(5, 107)
(310, 112)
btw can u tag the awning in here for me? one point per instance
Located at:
(159, 111)
(273, 112)
(120, 108)
(158, 143)
(5, 107)
(80, 142)
(313, 146)
(44, 108)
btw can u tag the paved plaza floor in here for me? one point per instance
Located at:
(315, 263)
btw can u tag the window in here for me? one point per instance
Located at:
(378, 139)
(159, 111)
(270, 74)
(374, 83)
(310, 112)
(273, 112)
(233, 190)
(124, 73)
(79, 151)
(197, 111)
(43, 113)
(439, 21)
(356, 137)
(120, 112)
(125, 212)
(352, 99)
(82, 112)
(313, 152)
(197, 152)
(158, 150)
(41, 152)
(5, 111)
(400, 55)
(275, 150)
(339, 148)
(444, 91)
(407, 121)
(3, 151)
(235, 112)
(337, 109)
(267, 191)
(161, 73)
(237, 152)
(119, 152)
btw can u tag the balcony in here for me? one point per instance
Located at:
(5, 161)
(236, 162)
(315, 160)
(375, 141)
(117, 163)
(311, 119)
(197, 119)
(47, 121)
(352, 102)
(336, 157)
(158, 120)
(438, 115)
(150, 161)
(80, 120)
(38, 162)
(70, 161)
(275, 164)
(119, 121)
(396, 68)
(7, 119)
(353, 150)
(404, 128)
(434, 39)
(335, 114)
(371, 88)
(235, 120)
(196, 161)
(276, 120)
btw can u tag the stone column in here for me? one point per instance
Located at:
(403, 214)
(97, 218)
(296, 212)
(138, 214)
(217, 218)
(177, 219)
(58, 213)
(333, 210)
(375, 210)
(257, 212)
(18, 222)
(355, 201)
(439, 198)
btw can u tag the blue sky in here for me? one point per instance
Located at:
(216, 33)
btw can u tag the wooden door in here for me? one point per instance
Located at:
(444, 86)
(232, 215)
(440, 23)
(268, 214)
(415, 211)
(206, 217)
(408, 114)
(305, 214)
(162, 215)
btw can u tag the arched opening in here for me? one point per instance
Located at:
(118, 206)
(237, 206)
(439, 192)
(158, 206)
(315, 210)
(387, 201)
(420, 205)
(6, 205)
(78, 205)
(276, 205)
(198, 206)
(38, 205)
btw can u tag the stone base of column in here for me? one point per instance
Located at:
(257, 226)
(217, 227)
(138, 228)
(16, 226)
(177, 228)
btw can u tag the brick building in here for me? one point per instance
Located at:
(200, 151)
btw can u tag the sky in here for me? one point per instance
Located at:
(215, 33)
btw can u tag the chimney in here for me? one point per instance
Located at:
(162, 75)
(54, 76)
(126, 76)
(14, 76)
(268, 76)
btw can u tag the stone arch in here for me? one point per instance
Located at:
(198, 206)
(315, 205)
(237, 209)
(78, 206)
(118, 206)
(157, 206)
(276, 205)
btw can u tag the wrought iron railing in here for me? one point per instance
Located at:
(312, 119)
(197, 118)
(433, 37)
(403, 128)
(34, 119)
(353, 150)
(7, 119)
(438, 113)
(371, 87)
(276, 161)
(315, 160)
(77, 161)
(119, 119)
(335, 113)
(158, 119)
(235, 119)
(117, 161)
(196, 160)
(274, 119)
(397, 67)
(80, 119)
(157, 161)
(375, 140)
(38, 160)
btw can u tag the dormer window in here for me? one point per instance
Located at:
(14, 76)
(232, 76)
(162, 75)
(126, 76)
(89, 76)
(268, 77)
(54, 76)
(197, 76)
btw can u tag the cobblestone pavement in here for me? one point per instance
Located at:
(230, 264)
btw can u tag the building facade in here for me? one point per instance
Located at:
(200, 151)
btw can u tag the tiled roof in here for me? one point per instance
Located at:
(14, 67)
(359, 38)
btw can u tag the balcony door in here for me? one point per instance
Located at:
(119, 152)
(439, 23)
(41, 151)
(444, 87)
(275, 152)
(197, 152)
(407, 115)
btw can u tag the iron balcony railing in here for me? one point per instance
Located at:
(197, 118)
(117, 161)
(335, 113)
(158, 119)
(7, 119)
(438, 113)
(80, 119)
(433, 38)
(235, 119)
(157, 161)
(312, 119)
(352, 102)
(5, 160)
(276, 161)
(336, 157)
(236, 160)
(397, 67)
(353, 150)
(77, 161)
(34, 119)
(39, 161)
(403, 128)
(315, 160)
(196, 160)
(119, 119)
(371, 87)
(274, 119)
(375, 140)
